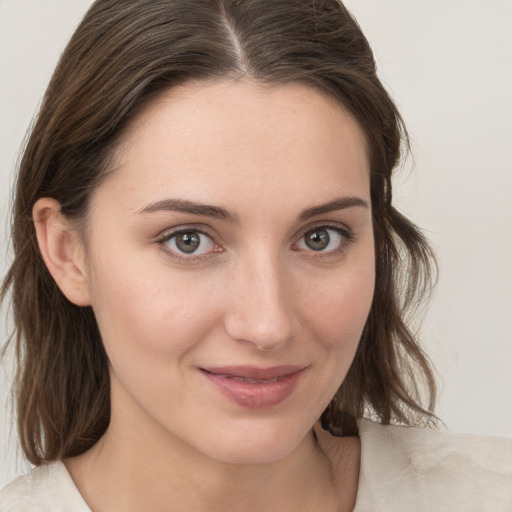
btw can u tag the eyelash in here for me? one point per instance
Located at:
(347, 235)
(166, 237)
(347, 239)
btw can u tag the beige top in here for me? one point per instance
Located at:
(402, 469)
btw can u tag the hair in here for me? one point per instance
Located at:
(123, 54)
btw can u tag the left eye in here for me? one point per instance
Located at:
(190, 242)
(323, 239)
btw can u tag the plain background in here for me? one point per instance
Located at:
(448, 64)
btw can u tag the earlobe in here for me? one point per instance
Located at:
(61, 250)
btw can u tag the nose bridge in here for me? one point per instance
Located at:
(261, 311)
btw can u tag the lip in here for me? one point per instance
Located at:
(253, 387)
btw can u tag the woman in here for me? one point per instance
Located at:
(210, 280)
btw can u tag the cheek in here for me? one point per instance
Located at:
(338, 315)
(338, 308)
(151, 329)
(148, 315)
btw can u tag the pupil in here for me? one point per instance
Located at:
(188, 242)
(318, 240)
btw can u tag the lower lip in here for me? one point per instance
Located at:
(255, 395)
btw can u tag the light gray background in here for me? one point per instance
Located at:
(448, 65)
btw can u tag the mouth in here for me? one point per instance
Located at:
(253, 387)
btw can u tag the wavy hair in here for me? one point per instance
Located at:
(123, 54)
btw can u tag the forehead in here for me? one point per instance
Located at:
(240, 141)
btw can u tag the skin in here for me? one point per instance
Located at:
(254, 294)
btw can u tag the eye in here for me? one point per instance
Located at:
(324, 239)
(189, 242)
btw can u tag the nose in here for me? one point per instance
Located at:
(260, 311)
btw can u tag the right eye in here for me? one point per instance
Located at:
(189, 242)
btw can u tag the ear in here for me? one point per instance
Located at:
(62, 250)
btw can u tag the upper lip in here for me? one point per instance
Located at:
(253, 372)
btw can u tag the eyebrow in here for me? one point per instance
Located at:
(184, 206)
(341, 203)
(217, 212)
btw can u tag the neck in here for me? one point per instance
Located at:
(127, 475)
(138, 465)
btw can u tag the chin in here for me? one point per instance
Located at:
(255, 442)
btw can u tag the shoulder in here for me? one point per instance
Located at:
(416, 469)
(47, 488)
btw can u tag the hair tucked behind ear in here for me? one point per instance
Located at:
(123, 54)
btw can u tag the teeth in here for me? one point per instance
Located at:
(247, 379)
(254, 381)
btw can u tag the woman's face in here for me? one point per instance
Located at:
(230, 265)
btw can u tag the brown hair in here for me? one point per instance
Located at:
(122, 55)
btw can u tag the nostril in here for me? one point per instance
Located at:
(260, 311)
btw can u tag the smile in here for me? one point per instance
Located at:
(252, 381)
(255, 388)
